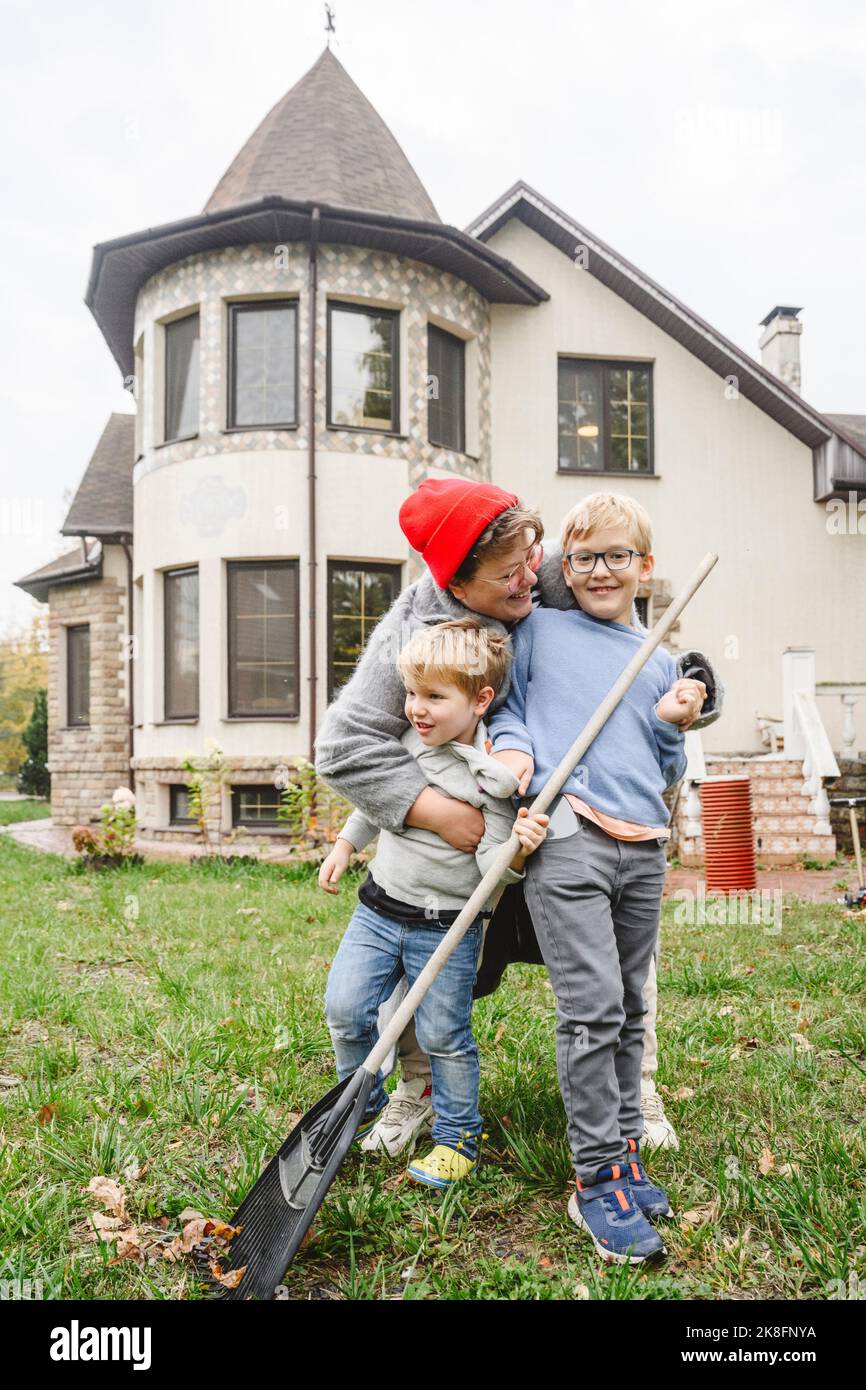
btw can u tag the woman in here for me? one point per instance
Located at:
(483, 555)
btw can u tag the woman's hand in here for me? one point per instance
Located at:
(335, 865)
(521, 764)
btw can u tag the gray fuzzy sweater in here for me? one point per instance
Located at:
(359, 748)
(420, 867)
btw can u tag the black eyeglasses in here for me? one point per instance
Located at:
(585, 561)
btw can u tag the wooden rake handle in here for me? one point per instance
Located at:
(549, 791)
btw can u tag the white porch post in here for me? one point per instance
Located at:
(798, 673)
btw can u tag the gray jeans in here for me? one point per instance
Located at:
(595, 905)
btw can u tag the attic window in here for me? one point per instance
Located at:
(605, 416)
(363, 369)
(181, 378)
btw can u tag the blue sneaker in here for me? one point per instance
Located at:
(652, 1200)
(607, 1209)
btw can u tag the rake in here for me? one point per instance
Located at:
(279, 1209)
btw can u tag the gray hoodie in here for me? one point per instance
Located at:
(418, 866)
(359, 748)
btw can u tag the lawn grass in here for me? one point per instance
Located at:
(13, 811)
(169, 1018)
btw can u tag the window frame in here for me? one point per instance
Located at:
(70, 722)
(281, 563)
(247, 305)
(606, 364)
(166, 330)
(238, 823)
(460, 448)
(367, 567)
(369, 311)
(173, 818)
(168, 716)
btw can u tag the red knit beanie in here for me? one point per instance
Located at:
(445, 517)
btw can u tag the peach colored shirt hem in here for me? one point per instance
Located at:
(619, 829)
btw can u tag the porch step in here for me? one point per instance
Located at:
(784, 827)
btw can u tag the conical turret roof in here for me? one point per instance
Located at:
(324, 142)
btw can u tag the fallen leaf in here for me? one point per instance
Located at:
(682, 1093)
(190, 1214)
(65, 907)
(766, 1161)
(194, 1232)
(545, 1262)
(802, 1042)
(128, 1245)
(750, 1043)
(728, 1009)
(499, 1034)
(45, 1114)
(110, 1194)
(581, 1291)
(788, 1170)
(133, 1172)
(232, 1279)
(698, 1216)
(506, 1121)
(104, 1223)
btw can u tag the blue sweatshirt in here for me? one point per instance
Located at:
(564, 664)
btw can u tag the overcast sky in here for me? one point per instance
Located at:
(719, 148)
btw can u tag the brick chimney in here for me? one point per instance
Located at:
(780, 344)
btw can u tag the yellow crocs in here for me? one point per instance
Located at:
(442, 1167)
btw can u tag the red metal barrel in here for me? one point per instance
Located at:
(729, 834)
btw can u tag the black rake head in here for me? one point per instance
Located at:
(279, 1209)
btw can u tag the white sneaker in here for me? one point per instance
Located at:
(658, 1132)
(408, 1112)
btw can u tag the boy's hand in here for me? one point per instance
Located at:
(682, 703)
(521, 764)
(530, 830)
(335, 865)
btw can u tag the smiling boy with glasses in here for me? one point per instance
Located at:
(594, 887)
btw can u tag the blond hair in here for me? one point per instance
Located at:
(603, 509)
(461, 653)
(504, 532)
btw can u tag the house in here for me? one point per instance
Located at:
(307, 350)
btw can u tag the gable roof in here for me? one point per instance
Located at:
(324, 142)
(69, 568)
(755, 382)
(102, 506)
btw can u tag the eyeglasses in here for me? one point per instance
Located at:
(585, 561)
(514, 578)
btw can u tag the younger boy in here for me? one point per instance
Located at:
(594, 889)
(418, 883)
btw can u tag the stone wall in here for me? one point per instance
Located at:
(88, 763)
(851, 783)
(155, 774)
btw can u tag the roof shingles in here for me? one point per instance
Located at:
(324, 142)
(102, 506)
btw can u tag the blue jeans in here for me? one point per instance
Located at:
(373, 955)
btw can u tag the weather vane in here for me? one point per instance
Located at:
(330, 27)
